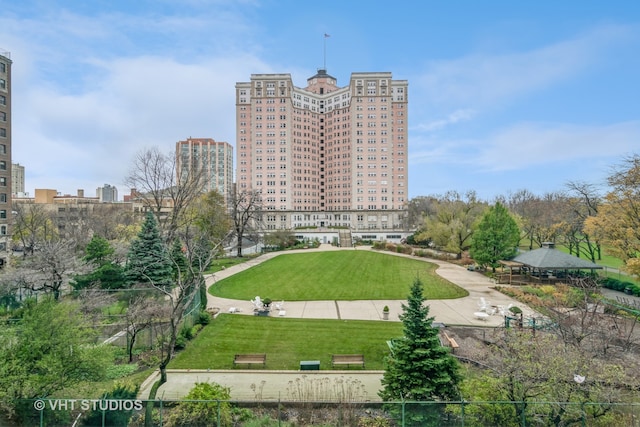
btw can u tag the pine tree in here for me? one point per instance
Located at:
(148, 260)
(496, 237)
(419, 367)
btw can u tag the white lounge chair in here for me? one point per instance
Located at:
(483, 305)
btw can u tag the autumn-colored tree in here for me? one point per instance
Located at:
(617, 223)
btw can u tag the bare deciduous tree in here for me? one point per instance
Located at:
(166, 192)
(142, 312)
(246, 210)
(32, 225)
(582, 203)
(51, 267)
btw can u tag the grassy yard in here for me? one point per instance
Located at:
(607, 260)
(336, 275)
(286, 341)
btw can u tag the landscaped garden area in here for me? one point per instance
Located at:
(336, 275)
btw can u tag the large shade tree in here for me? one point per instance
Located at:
(450, 224)
(495, 238)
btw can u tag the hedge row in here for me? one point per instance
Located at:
(620, 285)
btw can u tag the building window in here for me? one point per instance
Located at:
(3, 214)
(3, 100)
(3, 84)
(3, 197)
(3, 230)
(3, 132)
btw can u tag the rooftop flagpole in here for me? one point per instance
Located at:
(324, 62)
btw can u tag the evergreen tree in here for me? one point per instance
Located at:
(98, 251)
(148, 260)
(496, 237)
(419, 368)
(106, 273)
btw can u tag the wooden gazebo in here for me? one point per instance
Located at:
(544, 265)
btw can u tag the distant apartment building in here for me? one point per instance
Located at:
(324, 155)
(107, 194)
(213, 158)
(5, 155)
(72, 213)
(17, 180)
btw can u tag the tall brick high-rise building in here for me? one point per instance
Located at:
(325, 155)
(5, 155)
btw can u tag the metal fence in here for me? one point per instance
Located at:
(92, 412)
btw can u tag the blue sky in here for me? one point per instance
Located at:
(503, 95)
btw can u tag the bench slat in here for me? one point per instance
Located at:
(347, 359)
(250, 359)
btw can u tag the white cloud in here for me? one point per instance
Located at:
(455, 117)
(139, 103)
(529, 144)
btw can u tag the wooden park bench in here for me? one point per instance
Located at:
(452, 342)
(250, 359)
(347, 359)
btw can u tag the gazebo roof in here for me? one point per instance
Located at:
(549, 258)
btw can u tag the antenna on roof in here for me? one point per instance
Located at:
(324, 47)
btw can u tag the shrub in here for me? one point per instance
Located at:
(119, 371)
(196, 328)
(204, 318)
(125, 391)
(203, 413)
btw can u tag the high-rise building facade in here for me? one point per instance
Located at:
(213, 158)
(107, 193)
(17, 180)
(323, 154)
(5, 155)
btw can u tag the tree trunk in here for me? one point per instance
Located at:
(131, 343)
(239, 247)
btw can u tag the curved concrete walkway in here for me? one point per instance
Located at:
(268, 385)
(459, 311)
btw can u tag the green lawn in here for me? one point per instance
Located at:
(286, 341)
(336, 275)
(606, 261)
